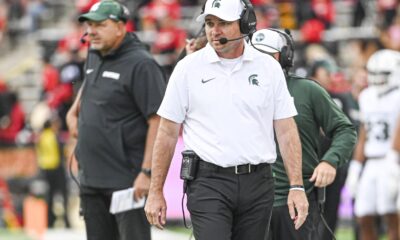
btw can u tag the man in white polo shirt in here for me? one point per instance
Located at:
(229, 98)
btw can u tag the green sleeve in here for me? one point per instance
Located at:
(335, 125)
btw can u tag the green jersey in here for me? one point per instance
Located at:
(316, 112)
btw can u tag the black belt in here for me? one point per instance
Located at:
(239, 169)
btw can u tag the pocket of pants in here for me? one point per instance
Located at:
(206, 194)
(267, 172)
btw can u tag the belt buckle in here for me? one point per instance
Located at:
(237, 172)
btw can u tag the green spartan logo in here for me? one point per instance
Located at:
(216, 4)
(253, 80)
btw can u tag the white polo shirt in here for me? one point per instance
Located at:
(228, 116)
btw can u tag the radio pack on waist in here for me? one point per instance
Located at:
(190, 162)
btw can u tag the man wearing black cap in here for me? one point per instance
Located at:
(115, 123)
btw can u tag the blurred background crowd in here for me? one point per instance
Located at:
(41, 65)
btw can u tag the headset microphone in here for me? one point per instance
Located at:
(225, 40)
(82, 39)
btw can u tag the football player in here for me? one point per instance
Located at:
(377, 187)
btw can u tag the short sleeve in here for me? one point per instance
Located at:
(176, 101)
(284, 103)
(148, 86)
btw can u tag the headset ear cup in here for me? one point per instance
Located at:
(248, 21)
(283, 57)
(251, 21)
(243, 23)
(290, 58)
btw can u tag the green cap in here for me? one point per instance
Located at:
(103, 10)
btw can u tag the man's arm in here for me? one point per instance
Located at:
(142, 182)
(73, 113)
(290, 148)
(164, 148)
(338, 129)
(358, 154)
(396, 139)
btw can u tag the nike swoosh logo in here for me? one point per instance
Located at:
(205, 81)
(89, 71)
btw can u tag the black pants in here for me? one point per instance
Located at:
(102, 225)
(226, 206)
(332, 203)
(282, 226)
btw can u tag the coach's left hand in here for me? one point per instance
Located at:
(323, 175)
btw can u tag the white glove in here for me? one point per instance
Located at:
(353, 176)
(392, 157)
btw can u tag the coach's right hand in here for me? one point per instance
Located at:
(156, 209)
(298, 203)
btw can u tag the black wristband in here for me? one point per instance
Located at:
(296, 186)
(146, 171)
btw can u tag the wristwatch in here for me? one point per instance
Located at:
(146, 171)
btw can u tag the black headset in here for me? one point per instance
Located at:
(287, 52)
(247, 21)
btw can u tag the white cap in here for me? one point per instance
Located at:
(268, 41)
(228, 10)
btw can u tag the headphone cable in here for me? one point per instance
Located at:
(183, 209)
(321, 206)
(327, 226)
(71, 158)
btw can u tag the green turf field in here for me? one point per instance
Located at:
(13, 235)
